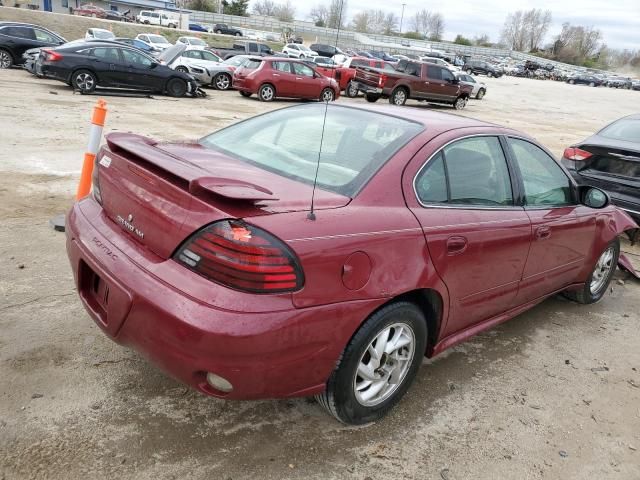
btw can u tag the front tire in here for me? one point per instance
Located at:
(480, 94)
(176, 87)
(398, 97)
(327, 95)
(6, 60)
(600, 277)
(84, 81)
(460, 103)
(352, 89)
(222, 81)
(267, 93)
(378, 365)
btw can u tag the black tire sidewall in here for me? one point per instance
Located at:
(348, 408)
(588, 296)
(172, 92)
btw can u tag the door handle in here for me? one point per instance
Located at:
(456, 245)
(542, 233)
(298, 78)
(426, 83)
(276, 74)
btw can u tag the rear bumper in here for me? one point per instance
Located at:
(364, 88)
(268, 354)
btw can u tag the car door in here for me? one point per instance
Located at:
(465, 198)
(562, 231)
(283, 78)
(434, 84)
(307, 85)
(107, 64)
(139, 73)
(449, 88)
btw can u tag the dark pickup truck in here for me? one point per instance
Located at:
(224, 29)
(243, 48)
(419, 81)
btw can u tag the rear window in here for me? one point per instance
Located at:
(625, 129)
(252, 64)
(287, 142)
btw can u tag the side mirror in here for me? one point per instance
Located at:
(593, 197)
(154, 64)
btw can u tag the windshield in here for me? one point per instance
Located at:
(625, 129)
(287, 142)
(157, 39)
(103, 34)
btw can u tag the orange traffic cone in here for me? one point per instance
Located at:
(95, 135)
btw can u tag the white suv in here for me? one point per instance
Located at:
(150, 17)
(296, 50)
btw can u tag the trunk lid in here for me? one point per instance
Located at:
(613, 166)
(160, 194)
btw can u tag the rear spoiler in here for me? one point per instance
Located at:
(198, 181)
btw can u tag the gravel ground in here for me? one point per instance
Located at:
(554, 393)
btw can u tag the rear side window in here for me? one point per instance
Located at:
(20, 32)
(106, 54)
(281, 66)
(287, 142)
(625, 129)
(545, 184)
(471, 171)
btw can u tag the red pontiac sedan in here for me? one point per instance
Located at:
(271, 77)
(426, 229)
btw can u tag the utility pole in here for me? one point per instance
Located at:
(402, 17)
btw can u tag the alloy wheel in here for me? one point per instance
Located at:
(222, 82)
(384, 364)
(5, 60)
(85, 81)
(327, 95)
(352, 90)
(602, 271)
(266, 93)
(400, 97)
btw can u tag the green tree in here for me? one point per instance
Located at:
(413, 35)
(236, 7)
(201, 5)
(460, 40)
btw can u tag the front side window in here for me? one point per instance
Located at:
(134, 58)
(434, 72)
(545, 184)
(303, 70)
(471, 171)
(286, 142)
(209, 56)
(43, 36)
(446, 74)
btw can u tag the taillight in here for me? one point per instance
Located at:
(577, 154)
(95, 178)
(243, 257)
(52, 56)
(382, 81)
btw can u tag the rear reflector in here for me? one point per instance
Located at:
(574, 153)
(243, 257)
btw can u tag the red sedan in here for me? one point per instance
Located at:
(426, 229)
(90, 11)
(283, 77)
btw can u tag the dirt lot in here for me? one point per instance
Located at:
(554, 393)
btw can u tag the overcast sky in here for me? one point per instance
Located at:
(619, 20)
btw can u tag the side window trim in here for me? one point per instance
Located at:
(518, 173)
(513, 178)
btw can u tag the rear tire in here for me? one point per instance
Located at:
(219, 32)
(222, 81)
(371, 98)
(176, 87)
(361, 389)
(399, 96)
(480, 94)
(600, 277)
(267, 93)
(238, 34)
(84, 81)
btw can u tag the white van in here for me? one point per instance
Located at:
(158, 17)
